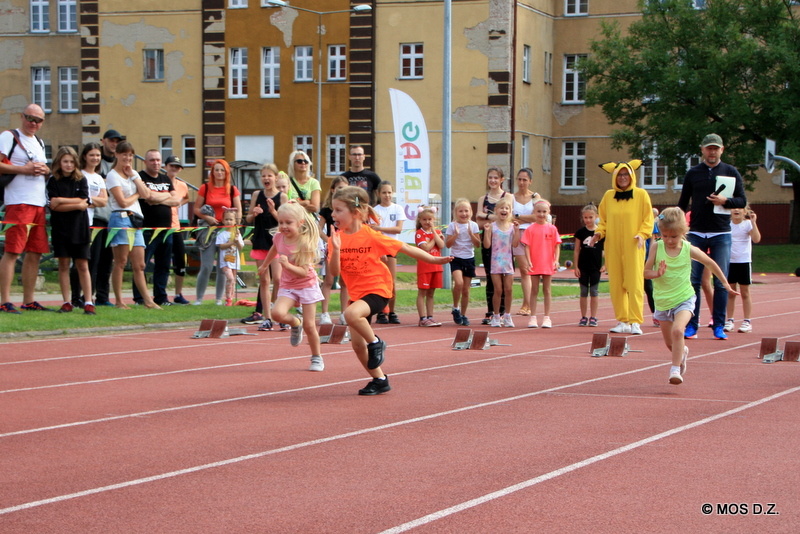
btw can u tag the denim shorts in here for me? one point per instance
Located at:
(121, 237)
(669, 315)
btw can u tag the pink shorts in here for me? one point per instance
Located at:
(305, 295)
(258, 255)
(18, 238)
(429, 280)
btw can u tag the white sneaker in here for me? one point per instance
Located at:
(495, 322)
(532, 322)
(219, 302)
(636, 329)
(317, 364)
(729, 326)
(621, 328)
(546, 322)
(342, 320)
(675, 378)
(508, 321)
(325, 318)
(197, 303)
(746, 327)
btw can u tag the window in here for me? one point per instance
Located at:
(153, 65)
(67, 15)
(653, 173)
(337, 155)
(189, 151)
(547, 156)
(303, 64)
(526, 63)
(690, 162)
(785, 180)
(233, 4)
(574, 85)
(68, 89)
(40, 83)
(237, 73)
(411, 61)
(525, 155)
(573, 165)
(165, 146)
(270, 72)
(576, 7)
(548, 68)
(40, 15)
(306, 144)
(699, 4)
(337, 63)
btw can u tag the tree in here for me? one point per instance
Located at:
(680, 73)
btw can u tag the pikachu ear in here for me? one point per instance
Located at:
(609, 167)
(635, 164)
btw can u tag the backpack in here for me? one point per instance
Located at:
(6, 179)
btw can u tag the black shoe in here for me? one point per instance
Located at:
(254, 318)
(376, 387)
(382, 319)
(464, 320)
(456, 316)
(487, 319)
(375, 354)
(393, 318)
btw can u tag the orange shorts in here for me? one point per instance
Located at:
(18, 238)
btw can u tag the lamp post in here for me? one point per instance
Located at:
(361, 8)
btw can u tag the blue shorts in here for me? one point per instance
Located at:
(669, 315)
(121, 237)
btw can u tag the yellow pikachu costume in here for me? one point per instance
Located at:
(625, 214)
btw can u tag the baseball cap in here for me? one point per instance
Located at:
(113, 134)
(711, 140)
(173, 160)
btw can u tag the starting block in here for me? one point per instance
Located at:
(769, 352)
(463, 339)
(605, 345)
(466, 339)
(215, 329)
(329, 333)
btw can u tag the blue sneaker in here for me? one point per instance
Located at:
(456, 315)
(719, 332)
(690, 332)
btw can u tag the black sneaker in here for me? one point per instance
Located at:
(376, 387)
(393, 318)
(488, 319)
(180, 300)
(34, 306)
(9, 307)
(375, 354)
(382, 319)
(464, 321)
(255, 318)
(456, 316)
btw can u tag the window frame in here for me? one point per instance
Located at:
(236, 4)
(303, 63)
(337, 63)
(526, 63)
(412, 61)
(40, 16)
(576, 8)
(237, 72)
(42, 89)
(70, 89)
(305, 143)
(336, 161)
(153, 65)
(67, 16)
(574, 80)
(578, 168)
(189, 150)
(525, 151)
(547, 155)
(165, 146)
(271, 72)
(653, 173)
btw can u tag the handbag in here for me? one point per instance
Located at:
(137, 221)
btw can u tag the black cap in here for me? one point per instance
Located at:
(113, 134)
(173, 160)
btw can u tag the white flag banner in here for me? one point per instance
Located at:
(413, 162)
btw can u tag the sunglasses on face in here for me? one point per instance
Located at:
(301, 161)
(33, 119)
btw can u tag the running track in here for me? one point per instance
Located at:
(156, 432)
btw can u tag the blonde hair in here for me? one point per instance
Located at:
(672, 219)
(505, 201)
(357, 202)
(590, 207)
(307, 251)
(293, 156)
(270, 167)
(423, 212)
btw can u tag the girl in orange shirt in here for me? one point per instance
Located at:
(355, 253)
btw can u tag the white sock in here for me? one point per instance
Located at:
(675, 369)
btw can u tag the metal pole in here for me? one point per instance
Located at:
(446, 126)
(319, 157)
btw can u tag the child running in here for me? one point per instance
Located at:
(230, 245)
(669, 265)
(462, 238)
(355, 252)
(326, 229)
(543, 244)
(744, 232)
(390, 221)
(588, 262)
(296, 245)
(68, 191)
(429, 277)
(502, 236)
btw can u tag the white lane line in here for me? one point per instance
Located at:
(435, 516)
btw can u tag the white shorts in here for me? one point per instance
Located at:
(306, 295)
(669, 315)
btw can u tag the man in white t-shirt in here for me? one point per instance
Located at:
(25, 200)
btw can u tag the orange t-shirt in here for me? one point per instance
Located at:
(360, 261)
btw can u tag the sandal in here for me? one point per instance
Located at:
(525, 311)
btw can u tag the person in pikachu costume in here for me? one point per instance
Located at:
(626, 223)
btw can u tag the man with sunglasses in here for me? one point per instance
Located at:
(25, 201)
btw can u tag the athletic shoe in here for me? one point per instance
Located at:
(8, 307)
(297, 335)
(423, 322)
(317, 364)
(325, 318)
(88, 309)
(621, 328)
(34, 306)
(675, 378)
(685, 357)
(729, 325)
(464, 321)
(376, 386)
(532, 323)
(592, 321)
(255, 318)
(104, 303)
(77, 303)
(456, 315)
(656, 323)
(218, 302)
(164, 303)
(584, 321)
(197, 303)
(636, 329)
(746, 327)
(283, 327)
(719, 333)
(428, 321)
(487, 319)
(342, 320)
(690, 332)
(393, 318)
(382, 319)
(495, 322)
(375, 353)
(507, 321)
(546, 322)
(179, 299)
(265, 325)
(66, 307)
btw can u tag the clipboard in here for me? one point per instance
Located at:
(728, 184)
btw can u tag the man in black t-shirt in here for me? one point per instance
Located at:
(361, 177)
(156, 198)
